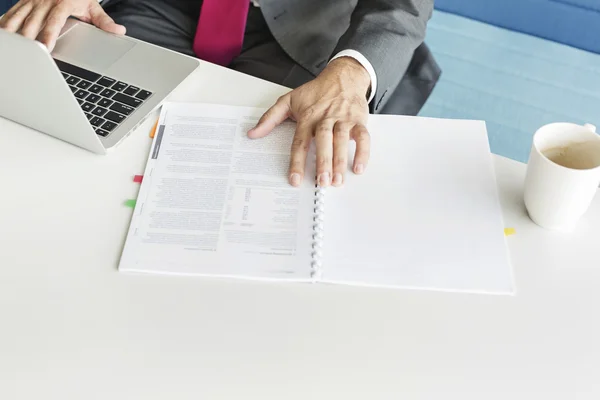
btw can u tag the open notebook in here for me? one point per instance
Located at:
(425, 214)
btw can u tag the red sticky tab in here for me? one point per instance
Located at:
(138, 178)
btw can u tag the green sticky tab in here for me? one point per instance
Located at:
(130, 203)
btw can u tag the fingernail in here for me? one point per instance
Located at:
(295, 179)
(359, 169)
(324, 179)
(337, 179)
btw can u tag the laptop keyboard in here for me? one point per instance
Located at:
(105, 101)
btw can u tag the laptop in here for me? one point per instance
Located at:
(92, 90)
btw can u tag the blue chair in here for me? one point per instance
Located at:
(516, 64)
(572, 22)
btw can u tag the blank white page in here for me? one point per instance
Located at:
(425, 214)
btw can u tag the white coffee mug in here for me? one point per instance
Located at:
(563, 174)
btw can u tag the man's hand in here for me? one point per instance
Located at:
(44, 19)
(332, 108)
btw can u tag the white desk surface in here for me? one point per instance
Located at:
(73, 327)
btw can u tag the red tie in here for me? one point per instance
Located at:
(220, 31)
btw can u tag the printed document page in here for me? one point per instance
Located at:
(213, 202)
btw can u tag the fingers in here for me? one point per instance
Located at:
(54, 23)
(35, 21)
(270, 119)
(100, 19)
(361, 136)
(14, 18)
(45, 19)
(341, 135)
(300, 146)
(324, 142)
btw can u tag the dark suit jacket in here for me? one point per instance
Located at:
(389, 33)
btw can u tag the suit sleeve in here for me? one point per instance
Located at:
(387, 32)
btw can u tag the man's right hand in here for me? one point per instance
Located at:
(44, 19)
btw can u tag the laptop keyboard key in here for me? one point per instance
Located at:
(130, 101)
(73, 80)
(109, 126)
(97, 121)
(99, 111)
(65, 75)
(107, 93)
(102, 132)
(81, 94)
(84, 84)
(90, 116)
(113, 116)
(87, 107)
(96, 89)
(106, 82)
(93, 98)
(131, 90)
(143, 94)
(77, 71)
(105, 103)
(119, 86)
(73, 88)
(80, 101)
(123, 109)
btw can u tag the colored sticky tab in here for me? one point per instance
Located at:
(153, 131)
(509, 231)
(138, 178)
(130, 203)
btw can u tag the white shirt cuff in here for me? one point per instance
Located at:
(365, 63)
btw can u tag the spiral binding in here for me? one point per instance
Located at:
(317, 243)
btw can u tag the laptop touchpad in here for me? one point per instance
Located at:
(91, 47)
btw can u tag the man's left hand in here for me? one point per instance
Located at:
(333, 109)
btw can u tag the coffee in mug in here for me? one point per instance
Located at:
(582, 155)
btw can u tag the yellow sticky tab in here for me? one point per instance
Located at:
(509, 231)
(153, 131)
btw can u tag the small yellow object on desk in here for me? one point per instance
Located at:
(509, 231)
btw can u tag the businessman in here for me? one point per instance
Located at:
(343, 58)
